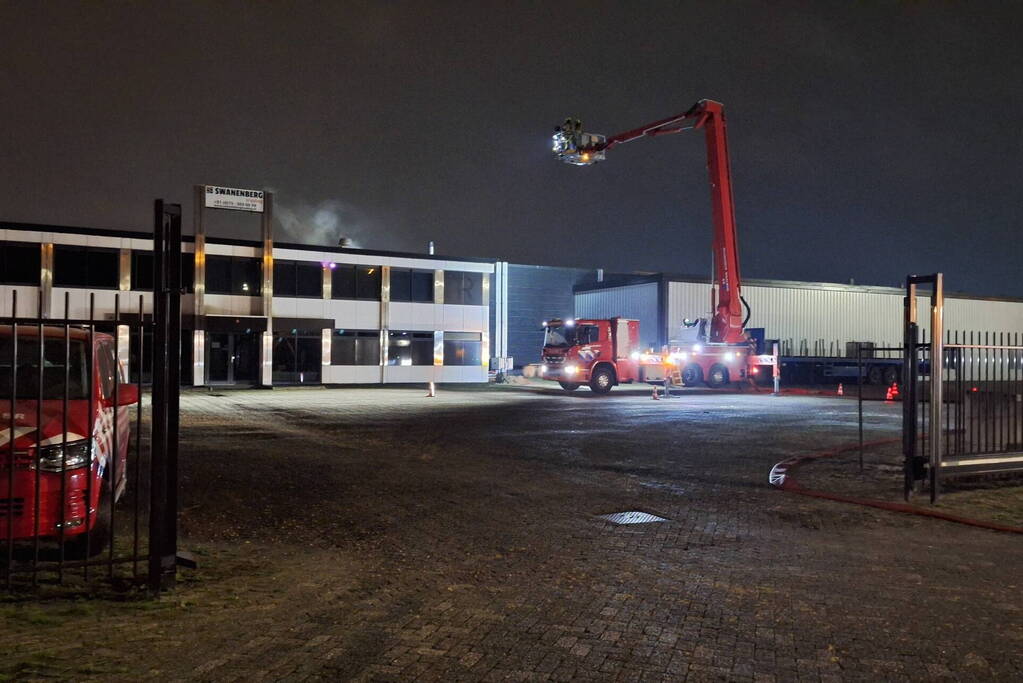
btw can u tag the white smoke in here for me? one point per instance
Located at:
(324, 223)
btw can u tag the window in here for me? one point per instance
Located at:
(20, 263)
(342, 282)
(295, 278)
(234, 275)
(463, 288)
(107, 366)
(142, 270)
(309, 280)
(54, 370)
(86, 267)
(463, 348)
(246, 276)
(297, 356)
(410, 348)
(355, 282)
(367, 282)
(355, 347)
(587, 334)
(411, 285)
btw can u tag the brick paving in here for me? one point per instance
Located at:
(375, 534)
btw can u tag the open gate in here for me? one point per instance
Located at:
(85, 493)
(963, 397)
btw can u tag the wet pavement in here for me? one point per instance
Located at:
(376, 534)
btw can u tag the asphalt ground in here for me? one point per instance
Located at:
(376, 534)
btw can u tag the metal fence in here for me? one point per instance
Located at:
(963, 399)
(84, 494)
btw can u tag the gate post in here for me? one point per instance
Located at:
(909, 380)
(165, 395)
(937, 376)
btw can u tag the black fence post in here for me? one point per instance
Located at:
(166, 371)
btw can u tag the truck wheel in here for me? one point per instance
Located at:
(569, 386)
(718, 376)
(91, 543)
(875, 374)
(692, 375)
(891, 375)
(602, 380)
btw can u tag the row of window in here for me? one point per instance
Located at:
(98, 268)
(362, 347)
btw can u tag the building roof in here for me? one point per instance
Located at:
(135, 234)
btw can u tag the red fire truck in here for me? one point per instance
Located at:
(57, 460)
(601, 353)
(715, 350)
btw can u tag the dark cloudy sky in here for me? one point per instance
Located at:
(868, 139)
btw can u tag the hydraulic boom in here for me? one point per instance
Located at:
(573, 146)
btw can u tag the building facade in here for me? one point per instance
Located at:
(807, 318)
(265, 314)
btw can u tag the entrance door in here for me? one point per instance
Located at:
(232, 358)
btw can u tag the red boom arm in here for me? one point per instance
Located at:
(726, 325)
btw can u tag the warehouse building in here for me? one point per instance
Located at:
(807, 318)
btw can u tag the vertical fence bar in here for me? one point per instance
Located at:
(138, 442)
(115, 445)
(12, 437)
(859, 394)
(37, 488)
(90, 355)
(909, 416)
(63, 438)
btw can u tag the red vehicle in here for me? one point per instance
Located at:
(62, 446)
(715, 350)
(601, 353)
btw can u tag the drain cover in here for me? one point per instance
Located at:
(632, 517)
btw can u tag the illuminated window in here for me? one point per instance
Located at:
(410, 348)
(463, 348)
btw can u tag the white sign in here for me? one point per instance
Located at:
(234, 198)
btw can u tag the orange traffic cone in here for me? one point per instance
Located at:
(890, 394)
(840, 392)
(656, 396)
(895, 390)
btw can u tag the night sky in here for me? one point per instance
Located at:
(868, 139)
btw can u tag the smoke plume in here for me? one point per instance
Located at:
(324, 223)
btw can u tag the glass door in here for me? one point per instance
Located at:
(218, 359)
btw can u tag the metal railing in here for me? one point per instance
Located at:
(963, 399)
(83, 493)
(72, 494)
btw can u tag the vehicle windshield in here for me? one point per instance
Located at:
(559, 335)
(53, 372)
(571, 335)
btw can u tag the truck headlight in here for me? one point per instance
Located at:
(571, 370)
(543, 369)
(50, 459)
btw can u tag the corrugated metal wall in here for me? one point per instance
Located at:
(808, 321)
(630, 301)
(820, 321)
(536, 293)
